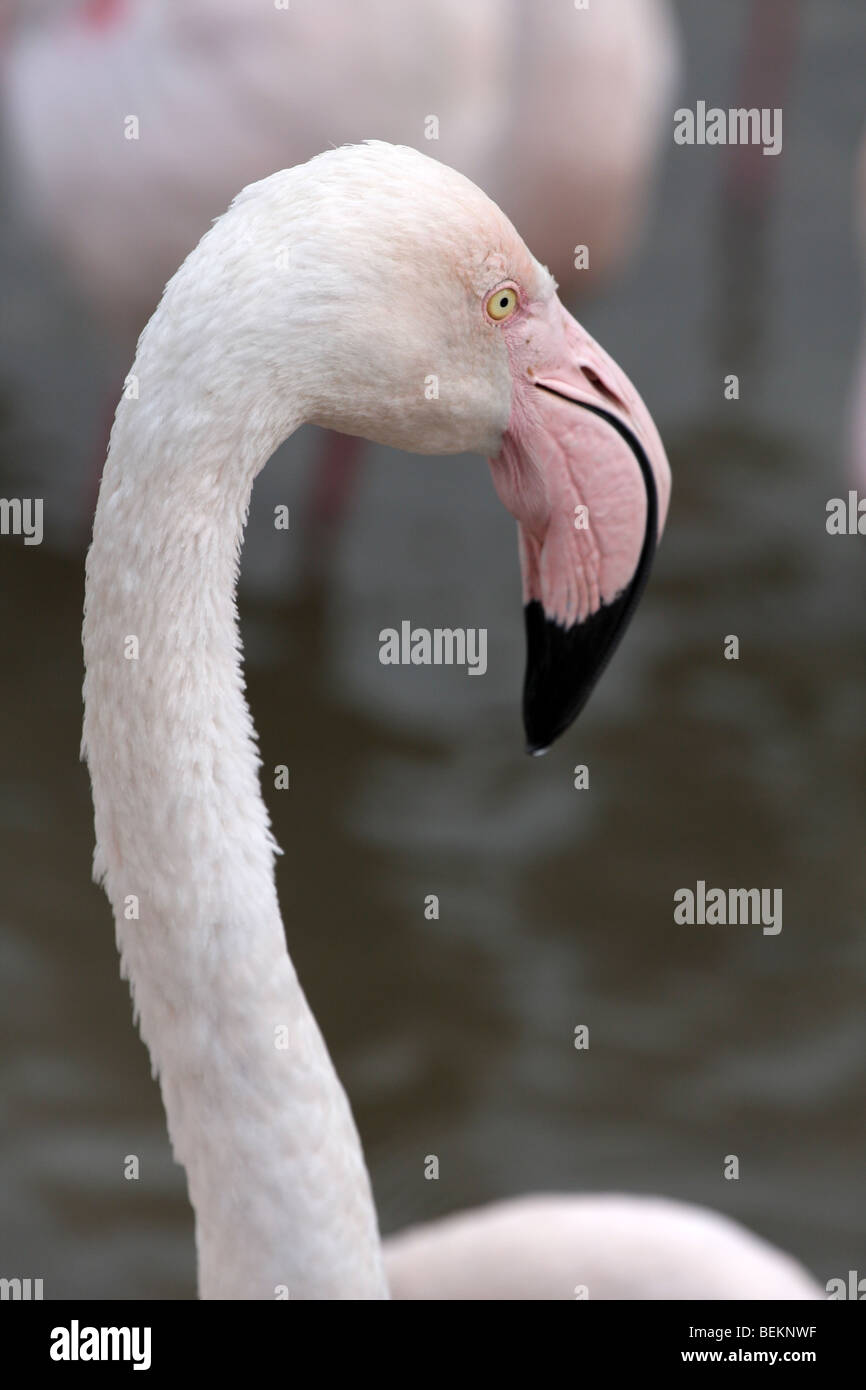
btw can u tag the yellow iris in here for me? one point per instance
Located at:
(502, 303)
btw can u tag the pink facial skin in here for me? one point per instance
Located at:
(556, 457)
(583, 487)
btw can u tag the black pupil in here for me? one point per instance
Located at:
(503, 303)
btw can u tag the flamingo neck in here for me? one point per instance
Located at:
(255, 1110)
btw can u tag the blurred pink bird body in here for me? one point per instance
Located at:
(585, 115)
(559, 111)
(131, 123)
(605, 1246)
(222, 92)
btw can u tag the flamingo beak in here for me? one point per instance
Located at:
(583, 470)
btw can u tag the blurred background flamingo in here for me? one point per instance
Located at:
(131, 122)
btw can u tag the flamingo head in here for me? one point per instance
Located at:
(422, 321)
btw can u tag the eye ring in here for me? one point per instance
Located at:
(502, 303)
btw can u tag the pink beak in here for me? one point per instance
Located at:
(583, 470)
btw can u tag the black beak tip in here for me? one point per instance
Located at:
(563, 666)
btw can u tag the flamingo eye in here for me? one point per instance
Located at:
(502, 303)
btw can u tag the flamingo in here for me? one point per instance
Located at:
(224, 92)
(332, 293)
